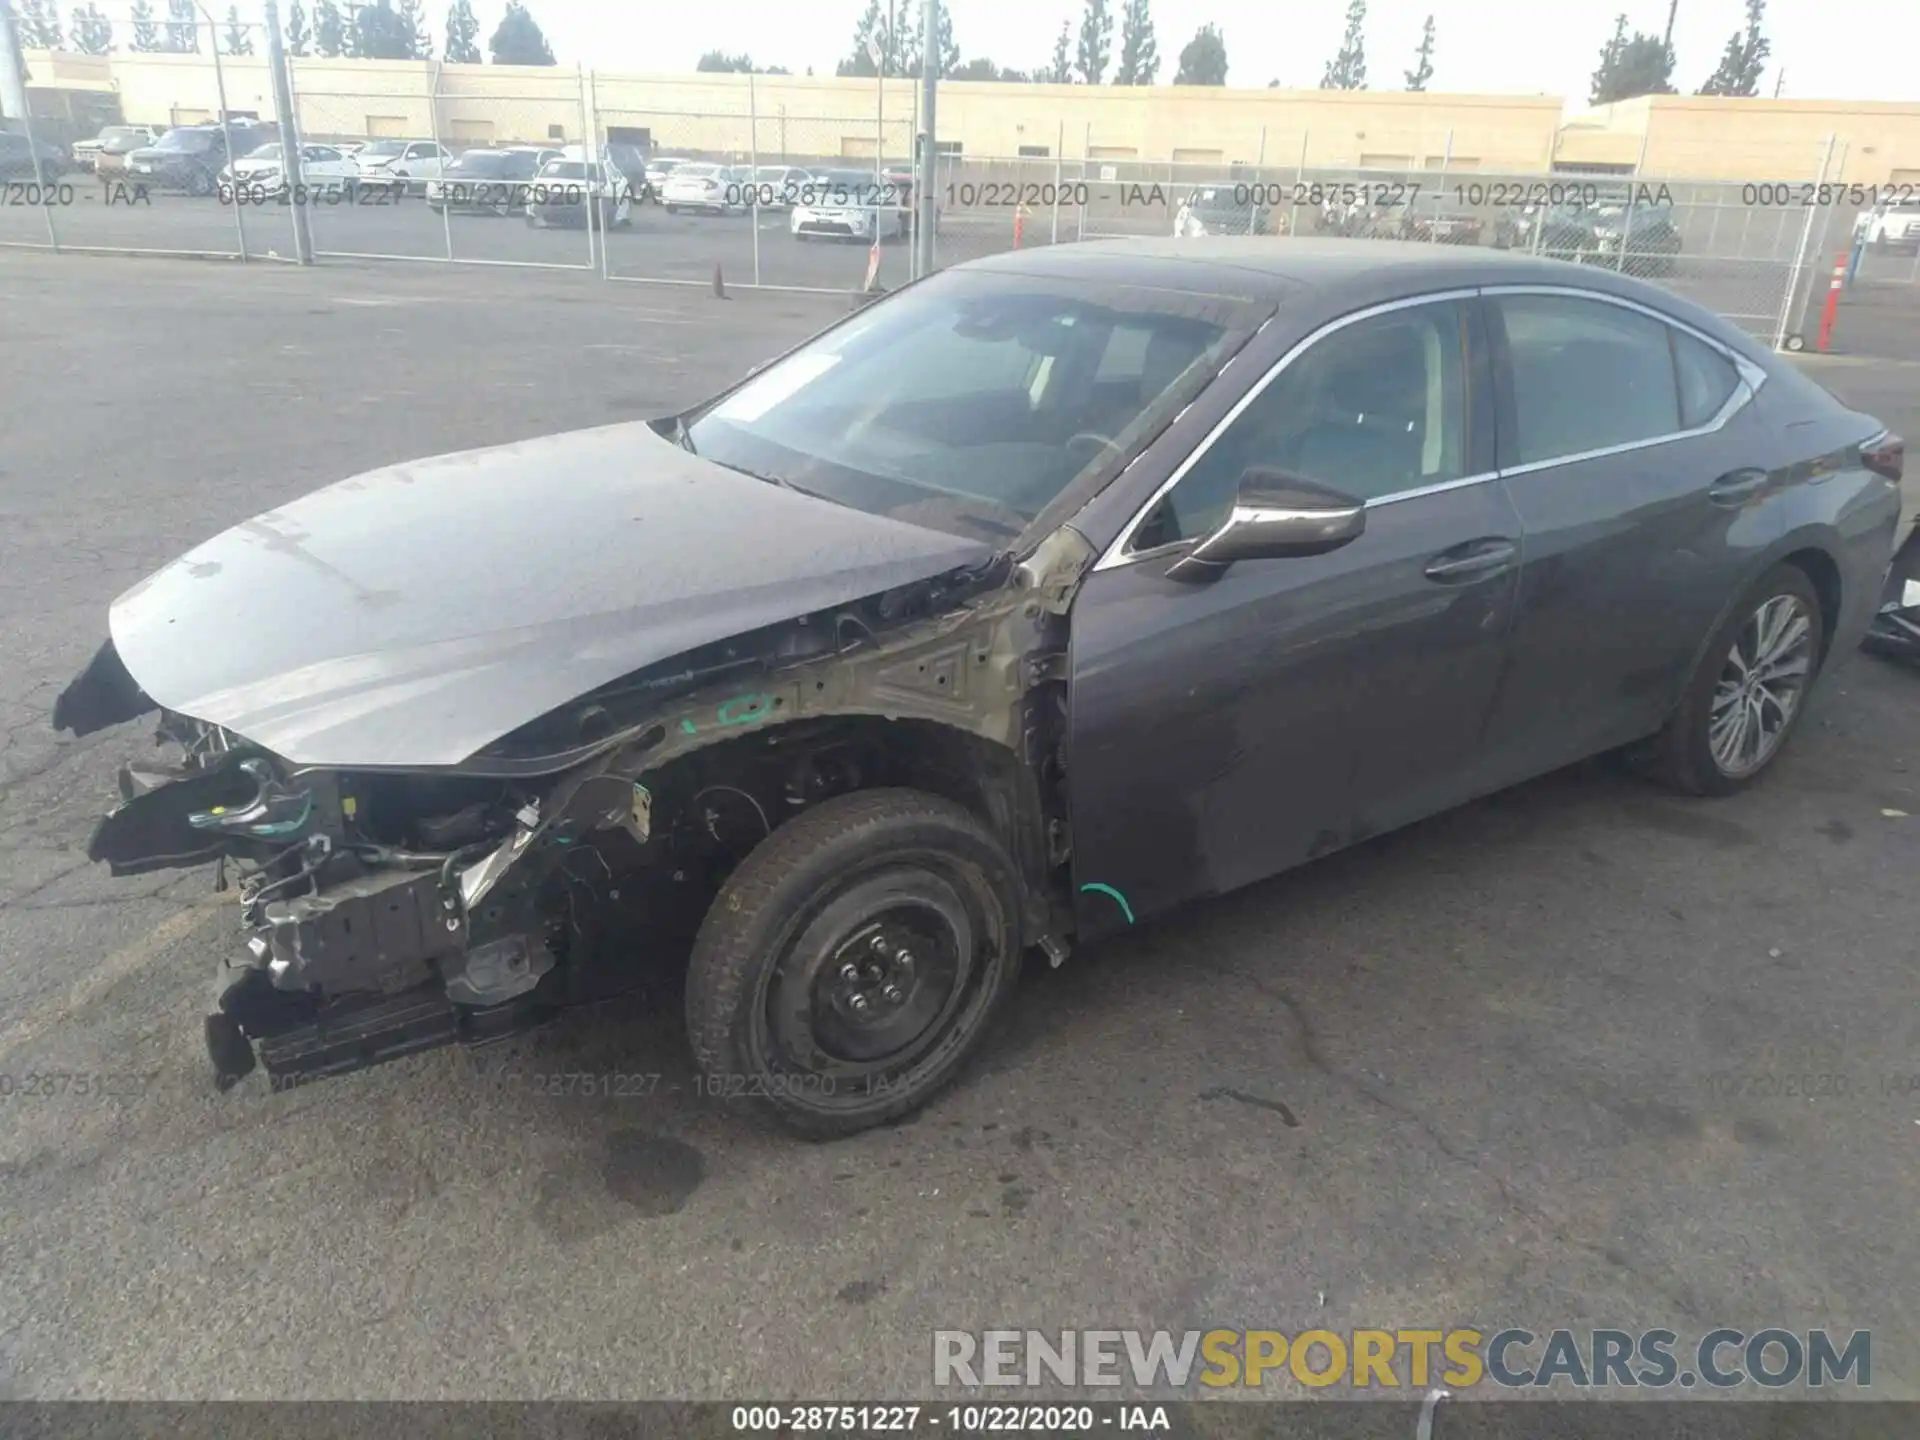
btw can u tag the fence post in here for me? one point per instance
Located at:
(633, 201)
(1446, 159)
(1059, 177)
(1633, 192)
(1800, 256)
(1086, 174)
(289, 134)
(226, 131)
(753, 174)
(433, 125)
(1299, 181)
(590, 156)
(10, 57)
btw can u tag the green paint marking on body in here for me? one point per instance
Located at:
(1117, 897)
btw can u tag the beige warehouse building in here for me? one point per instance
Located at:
(776, 117)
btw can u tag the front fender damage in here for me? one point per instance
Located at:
(390, 912)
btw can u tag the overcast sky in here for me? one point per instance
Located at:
(1852, 49)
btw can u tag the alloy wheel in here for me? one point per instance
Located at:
(1760, 687)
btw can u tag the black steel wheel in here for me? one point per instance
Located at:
(855, 959)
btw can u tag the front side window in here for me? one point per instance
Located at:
(971, 401)
(1587, 375)
(1373, 409)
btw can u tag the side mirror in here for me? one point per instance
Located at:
(1276, 515)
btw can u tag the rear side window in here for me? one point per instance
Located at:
(1707, 379)
(1587, 375)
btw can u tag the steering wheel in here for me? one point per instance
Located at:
(1092, 437)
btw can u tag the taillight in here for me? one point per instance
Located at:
(1885, 455)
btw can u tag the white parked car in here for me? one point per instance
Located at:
(711, 189)
(1894, 225)
(565, 187)
(406, 164)
(323, 169)
(847, 205)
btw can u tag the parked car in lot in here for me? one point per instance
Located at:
(1430, 219)
(707, 189)
(1222, 210)
(404, 166)
(106, 153)
(1892, 225)
(17, 158)
(565, 188)
(1024, 605)
(492, 182)
(848, 205)
(191, 157)
(771, 187)
(659, 169)
(1642, 239)
(323, 169)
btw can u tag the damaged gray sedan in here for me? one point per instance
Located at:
(1050, 593)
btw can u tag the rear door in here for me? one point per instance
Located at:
(1638, 467)
(1222, 732)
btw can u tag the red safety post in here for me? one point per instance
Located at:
(1019, 224)
(1832, 309)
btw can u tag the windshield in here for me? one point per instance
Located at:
(186, 140)
(971, 401)
(695, 172)
(384, 147)
(569, 170)
(118, 132)
(266, 152)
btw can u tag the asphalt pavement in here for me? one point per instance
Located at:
(1524, 1063)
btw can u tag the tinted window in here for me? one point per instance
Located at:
(1373, 409)
(969, 402)
(1707, 379)
(1586, 375)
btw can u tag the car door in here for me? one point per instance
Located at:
(1638, 468)
(1222, 732)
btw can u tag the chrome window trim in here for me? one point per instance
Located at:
(1117, 554)
(1750, 376)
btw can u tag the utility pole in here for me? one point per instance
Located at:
(923, 220)
(1673, 11)
(289, 134)
(1779, 81)
(13, 85)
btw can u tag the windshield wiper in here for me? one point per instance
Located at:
(681, 436)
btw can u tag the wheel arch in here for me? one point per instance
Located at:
(1807, 552)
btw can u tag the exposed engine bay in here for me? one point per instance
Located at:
(388, 911)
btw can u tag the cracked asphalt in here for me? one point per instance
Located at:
(1520, 1064)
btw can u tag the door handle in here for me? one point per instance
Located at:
(1475, 560)
(1737, 487)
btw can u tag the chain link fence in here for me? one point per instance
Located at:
(527, 166)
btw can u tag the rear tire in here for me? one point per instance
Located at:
(1749, 691)
(854, 961)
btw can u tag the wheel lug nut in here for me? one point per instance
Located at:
(878, 944)
(904, 958)
(892, 992)
(849, 974)
(858, 1002)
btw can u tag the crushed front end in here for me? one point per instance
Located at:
(381, 913)
(389, 910)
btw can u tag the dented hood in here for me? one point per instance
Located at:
(412, 615)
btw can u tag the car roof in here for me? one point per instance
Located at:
(1337, 275)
